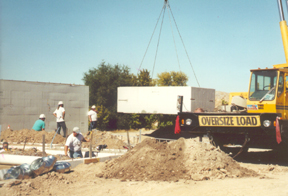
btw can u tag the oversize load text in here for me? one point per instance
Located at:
(229, 121)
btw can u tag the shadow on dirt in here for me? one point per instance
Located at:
(168, 133)
(265, 157)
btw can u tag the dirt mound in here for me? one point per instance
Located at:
(219, 96)
(31, 136)
(181, 159)
(103, 137)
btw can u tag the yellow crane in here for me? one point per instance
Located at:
(265, 122)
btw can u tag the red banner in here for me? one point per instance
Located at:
(177, 126)
(278, 134)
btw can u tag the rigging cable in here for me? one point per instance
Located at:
(158, 40)
(173, 37)
(184, 46)
(151, 37)
(166, 4)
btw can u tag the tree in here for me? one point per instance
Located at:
(103, 82)
(143, 78)
(171, 79)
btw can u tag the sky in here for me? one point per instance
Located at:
(59, 40)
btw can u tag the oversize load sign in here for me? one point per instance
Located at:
(230, 121)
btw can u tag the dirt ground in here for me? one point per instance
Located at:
(180, 167)
(31, 136)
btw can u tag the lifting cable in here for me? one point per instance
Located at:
(151, 38)
(184, 46)
(173, 35)
(166, 4)
(158, 40)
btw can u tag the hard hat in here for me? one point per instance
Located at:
(60, 102)
(42, 116)
(93, 106)
(76, 130)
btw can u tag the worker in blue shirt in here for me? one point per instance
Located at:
(39, 125)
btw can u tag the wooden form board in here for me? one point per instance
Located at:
(92, 160)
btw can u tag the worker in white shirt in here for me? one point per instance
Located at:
(74, 142)
(92, 115)
(59, 113)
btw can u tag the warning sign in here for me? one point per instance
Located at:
(230, 121)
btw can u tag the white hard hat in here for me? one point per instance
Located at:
(93, 106)
(76, 130)
(42, 116)
(60, 102)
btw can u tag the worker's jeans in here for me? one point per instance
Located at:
(92, 125)
(63, 125)
(75, 154)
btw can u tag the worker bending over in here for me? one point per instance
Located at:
(74, 142)
(39, 125)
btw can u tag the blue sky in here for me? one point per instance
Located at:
(58, 40)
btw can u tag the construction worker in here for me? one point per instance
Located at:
(74, 142)
(39, 125)
(59, 113)
(92, 115)
(5, 146)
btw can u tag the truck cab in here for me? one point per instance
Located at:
(268, 91)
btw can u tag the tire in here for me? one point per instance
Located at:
(219, 140)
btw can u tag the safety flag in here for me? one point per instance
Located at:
(278, 134)
(177, 126)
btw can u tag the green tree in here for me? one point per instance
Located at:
(103, 82)
(103, 117)
(171, 79)
(144, 78)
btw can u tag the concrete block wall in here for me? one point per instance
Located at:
(21, 103)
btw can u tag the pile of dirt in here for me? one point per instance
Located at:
(31, 136)
(219, 96)
(181, 159)
(103, 137)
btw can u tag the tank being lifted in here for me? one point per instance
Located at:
(164, 100)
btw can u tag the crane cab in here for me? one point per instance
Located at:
(268, 91)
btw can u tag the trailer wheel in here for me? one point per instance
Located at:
(219, 140)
